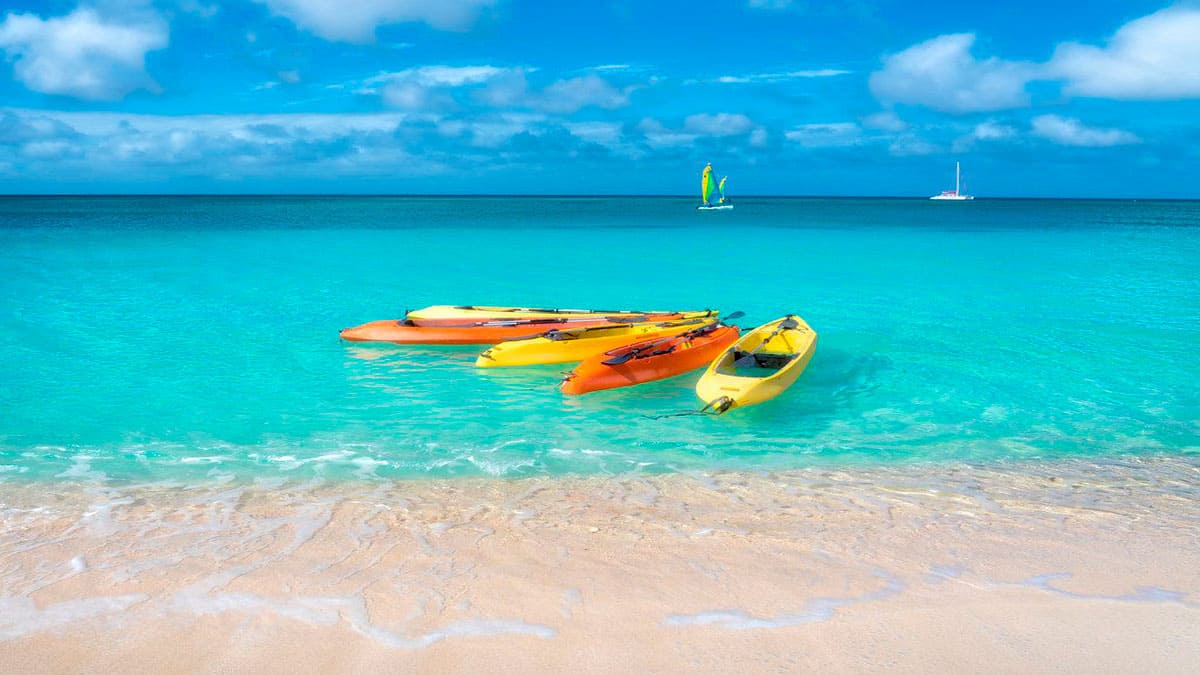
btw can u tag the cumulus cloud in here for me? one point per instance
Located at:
(567, 96)
(885, 120)
(984, 131)
(699, 126)
(780, 77)
(444, 87)
(1154, 57)
(356, 20)
(149, 148)
(836, 134)
(82, 54)
(1069, 131)
(720, 124)
(943, 74)
(659, 135)
(429, 87)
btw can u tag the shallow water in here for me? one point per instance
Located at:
(195, 339)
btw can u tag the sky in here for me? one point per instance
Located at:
(1035, 99)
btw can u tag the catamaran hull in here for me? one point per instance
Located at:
(723, 207)
(679, 355)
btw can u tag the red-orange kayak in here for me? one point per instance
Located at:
(650, 360)
(483, 332)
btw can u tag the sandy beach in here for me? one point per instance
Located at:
(1048, 567)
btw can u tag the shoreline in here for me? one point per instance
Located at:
(1039, 566)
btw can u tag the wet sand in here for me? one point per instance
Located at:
(1023, 567)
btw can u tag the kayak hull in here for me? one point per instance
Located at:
(402, 332)
(568, 346)
(462, 315)
(481, 333)
(779, 354)
(665, 358)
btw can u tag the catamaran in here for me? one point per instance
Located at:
(708, 185)
(955, 195)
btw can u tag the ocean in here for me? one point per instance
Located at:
(193, 340)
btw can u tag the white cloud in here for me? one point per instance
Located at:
(699, 126)
(942, 74)
(438, 76)
(1068, 131)
(993, 131)
(601, 133)
(567, 96)
(720, 124)
(659, 135)
(827, 135)
(780, 77)
(885, 120)
(908, 144)
(356, 20)
(409, 96)
(1154, 57)
(435, 87)
(428, 87)
(82, 54)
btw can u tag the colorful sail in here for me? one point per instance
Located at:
(721, 187)
(706, 183)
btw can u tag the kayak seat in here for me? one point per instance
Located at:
(771, 360)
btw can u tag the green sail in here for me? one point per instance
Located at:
(706, 184)
(721, 187)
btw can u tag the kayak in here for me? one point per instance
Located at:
(482, 332)
(576, 344)
(759, 366)
(458, 315)
(650, 360)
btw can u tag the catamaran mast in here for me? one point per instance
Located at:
(956, 177)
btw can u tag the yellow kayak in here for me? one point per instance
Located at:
(759, 366)
(447, 315)
(565, 346)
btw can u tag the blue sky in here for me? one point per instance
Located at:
(514, 96)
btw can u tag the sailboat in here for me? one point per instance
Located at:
(709, 186)
(955, 195)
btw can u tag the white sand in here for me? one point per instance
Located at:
(1030, 568)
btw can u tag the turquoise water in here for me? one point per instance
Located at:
(184, 339)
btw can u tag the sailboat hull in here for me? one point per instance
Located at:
(722, 207)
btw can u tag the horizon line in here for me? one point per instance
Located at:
(457, 195)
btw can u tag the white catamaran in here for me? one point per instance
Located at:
(709, 185)
(954, 196)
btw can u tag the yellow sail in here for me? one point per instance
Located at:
(706, 183)
(721, 187)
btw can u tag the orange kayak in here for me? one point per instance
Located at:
(650, 360)
(483, 332)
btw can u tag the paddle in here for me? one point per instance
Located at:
(748, 360)
(636, 353)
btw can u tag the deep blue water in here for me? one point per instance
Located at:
(187, 338)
